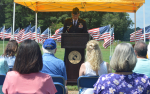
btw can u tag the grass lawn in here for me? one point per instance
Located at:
(60, 54)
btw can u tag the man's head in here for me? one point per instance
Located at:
(75, 13)
(140, 49)
(49, 46)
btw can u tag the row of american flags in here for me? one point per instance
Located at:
(140, 34)
(105, 33)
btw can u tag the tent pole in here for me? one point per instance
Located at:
(144, 21)
(135, 24)
(14, 19)
(36, 26)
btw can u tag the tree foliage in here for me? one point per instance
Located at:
(24, 16)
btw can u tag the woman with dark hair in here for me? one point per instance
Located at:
(26, 76)
(10, 51)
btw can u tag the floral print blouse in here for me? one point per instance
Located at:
(122, 84)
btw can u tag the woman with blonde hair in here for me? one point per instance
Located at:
(94, 65)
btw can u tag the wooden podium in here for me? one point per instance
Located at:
(74, 44)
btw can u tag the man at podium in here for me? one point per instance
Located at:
(75, 24)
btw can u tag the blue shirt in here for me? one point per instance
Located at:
(53, 65)
(142, 67)
(10, 60)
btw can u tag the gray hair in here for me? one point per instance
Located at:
(141, 48)
(48, 51)
(124, 58)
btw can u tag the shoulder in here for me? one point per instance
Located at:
(81, 20)
(68, 19)
(12, 74)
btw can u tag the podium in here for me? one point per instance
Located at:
(74, 44)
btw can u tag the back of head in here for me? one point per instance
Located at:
(140, 48)
(28, 58)
(49, 46)
(11, 48)
(93, 54)
(124, 58)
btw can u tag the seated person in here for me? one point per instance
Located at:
(123, 81)
(10, 51)
(94, 65)
(51, 64)
(26, 77)
(142, 65)
(3, 69)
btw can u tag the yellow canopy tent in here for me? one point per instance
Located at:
(83, 5)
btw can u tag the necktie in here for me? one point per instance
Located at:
(74, 23)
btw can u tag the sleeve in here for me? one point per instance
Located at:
(65, 27)
(6, 84)
(97, 86)
(6, 66)
(49, 85)
(85, 28)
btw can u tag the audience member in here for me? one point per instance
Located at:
(51, 64)
(123, 81)
(148, 51)
(10, 51)
(3, 69)
(94, 65)
(25, 77)
(142, 65)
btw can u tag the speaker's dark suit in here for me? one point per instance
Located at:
(80, 27)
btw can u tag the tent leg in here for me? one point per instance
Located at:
(144, 20)
(14, 19)
(135, 25)
(36, 26)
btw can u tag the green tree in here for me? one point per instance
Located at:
(121, 21)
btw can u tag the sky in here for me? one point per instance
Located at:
(140, 16)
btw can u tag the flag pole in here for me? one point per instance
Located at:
(110, 42)
(144, 20)
(36, 26)
(14, 19)
(48, 32)
(135, 24)
(3, 38)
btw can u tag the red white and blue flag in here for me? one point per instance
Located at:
(7, 34)
(2, 31)
(140, 34)
(99, 33)
(24, 34)
(34, 33)
(15, 34)
(44, 36)
(57, 35)
(109, 38)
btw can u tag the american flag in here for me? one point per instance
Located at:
(15, 34)
(34, 33)
(2, 30)
(57, 35)
(99, 33)
(44, 36)
(21, 35)
(140, 34)
(27, 33)
(109, 38)
(147, 33)
(7, 34)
